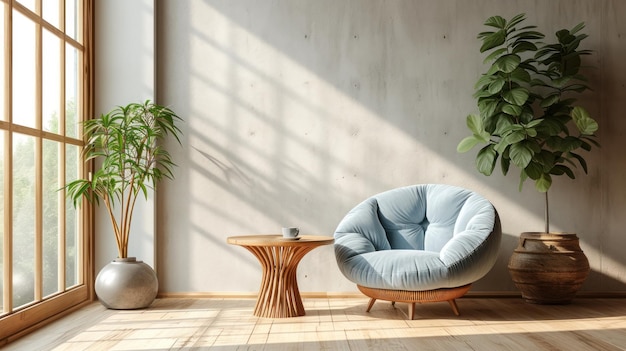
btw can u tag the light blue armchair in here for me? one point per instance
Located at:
(421, 243)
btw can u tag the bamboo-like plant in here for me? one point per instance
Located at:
(528, 116)
(126, 143)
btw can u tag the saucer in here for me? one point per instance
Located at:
(291, 239)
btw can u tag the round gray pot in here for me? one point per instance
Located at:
(126, 284)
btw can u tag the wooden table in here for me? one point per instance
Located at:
(279, 296)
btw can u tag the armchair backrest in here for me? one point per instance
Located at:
(419, 217)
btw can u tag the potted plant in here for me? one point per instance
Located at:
(528, 118)
(126, 147)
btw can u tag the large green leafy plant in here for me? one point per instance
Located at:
(127, 143)
(528, 113)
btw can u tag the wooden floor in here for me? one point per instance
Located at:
(339, 324)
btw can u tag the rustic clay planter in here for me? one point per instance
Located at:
(548, 268)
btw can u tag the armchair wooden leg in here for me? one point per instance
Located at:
(369, 306)
(455, 308)
(411, 310)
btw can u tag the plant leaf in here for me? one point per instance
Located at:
(512, 110)
(522, 46)
(515, 20)
(522, 178)
(467, 144)
(562, 169)
(493, 40)
(496, 86)
(496, 21)
(581, 160)
(543, 183)
(550, 100)
(585, 124)
(534, 170)
(495, 54)
(507, 63)
(486, 160)
(517, 96)
(521, 154)
(483, 81)
(520, 75)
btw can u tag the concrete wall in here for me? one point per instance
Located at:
(125, 72)
(295, 111)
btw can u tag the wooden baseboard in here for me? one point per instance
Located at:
(253, 295)
(356, 294)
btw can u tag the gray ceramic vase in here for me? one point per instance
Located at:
(126, 284)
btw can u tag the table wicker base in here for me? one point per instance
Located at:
(413, 297)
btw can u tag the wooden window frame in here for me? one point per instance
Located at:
(16, 322)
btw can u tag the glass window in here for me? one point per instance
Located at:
(23, 230)
(42, 70)
(51, 82)
(24, 70)
(50, 216)
(71, 91)
(72, 252)
(51, 10)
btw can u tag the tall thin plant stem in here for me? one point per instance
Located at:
(547, 215)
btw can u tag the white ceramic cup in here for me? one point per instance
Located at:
(290, 232)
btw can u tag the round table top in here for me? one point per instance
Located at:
(278, 240)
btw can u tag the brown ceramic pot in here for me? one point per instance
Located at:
(548, 268)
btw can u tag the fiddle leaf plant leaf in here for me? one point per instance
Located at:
(495, 54)
(517, 96)
(467, 144)
(585, 124)
(563, 169)
(517, 19)
(512, 110)
(475, 124)
(543, 183)
(483, 81)
(534, 170)
(581, 160)
(550, 100)
(486, 160)
(521, 154)
(496, 85)
(507, 63)
(496, 22)
(523, 46)
(522, 178)
(493, 40)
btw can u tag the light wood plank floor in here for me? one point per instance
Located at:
(339, 324)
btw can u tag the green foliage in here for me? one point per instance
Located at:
(127, 141)
(525, 106)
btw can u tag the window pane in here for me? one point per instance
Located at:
(24, 71)
(71, 221)
(71, 91)
(2, 221)
(3, 117)
(51, 82)
(51, 12)
(50, 186)
(30, 4)
(71, 19)
(23, 221)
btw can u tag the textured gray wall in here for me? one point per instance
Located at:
(127, 27)
(297, 110)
